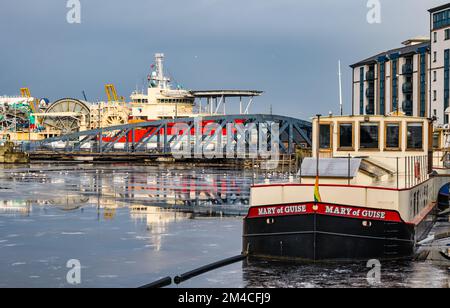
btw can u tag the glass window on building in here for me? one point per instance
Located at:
(414, 136)
(382, 83)
(346, 135)
(435, 37)
(447, 34)
(392, 136)
(394, 98)
(325, 136)
(441, 19)
(436, 140)
(369, 136)
(446, 81)
(361, 90)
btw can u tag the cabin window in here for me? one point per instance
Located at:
(346, 136)
(325, 136)
(415, 136)
(392, 136)
(369, 136)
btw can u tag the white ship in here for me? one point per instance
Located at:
(24, 119)
(161, 101)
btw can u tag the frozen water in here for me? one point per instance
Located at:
(50, 214)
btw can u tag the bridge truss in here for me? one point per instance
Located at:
(156, 137)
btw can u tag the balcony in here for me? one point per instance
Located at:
(370, 75)
(407, 87)
(370, 92)
(407, 69)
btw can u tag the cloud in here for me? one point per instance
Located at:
(288, 48)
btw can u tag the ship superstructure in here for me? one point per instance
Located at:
(161, 101)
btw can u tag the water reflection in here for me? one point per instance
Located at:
(73, 187)
(157, 220)
(394, 274)
(15, 207)
(130, 225)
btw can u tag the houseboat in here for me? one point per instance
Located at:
(370, 191)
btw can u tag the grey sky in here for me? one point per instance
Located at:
(287, 48)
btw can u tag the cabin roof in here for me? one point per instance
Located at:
(226, 93)
(330, 167)
(369, 118)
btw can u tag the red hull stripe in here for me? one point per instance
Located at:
(323, 209)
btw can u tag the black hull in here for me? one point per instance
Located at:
(443, 202)
(317, 237)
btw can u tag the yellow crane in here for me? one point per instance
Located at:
(111, 93)
(25, 92)
(34, 105)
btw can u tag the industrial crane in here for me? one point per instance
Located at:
(34, 104)
(111, 93)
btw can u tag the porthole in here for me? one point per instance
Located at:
(367, 224)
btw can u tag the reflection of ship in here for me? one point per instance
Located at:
(158, 220)
(68, 202)
(15, 207)
(189, 189)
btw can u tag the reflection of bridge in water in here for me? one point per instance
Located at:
(191, 189)
(221, 190)
(122, 185)
(180, 188)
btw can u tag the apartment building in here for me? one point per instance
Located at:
(394, 80)
(440, 63)
(413, 79)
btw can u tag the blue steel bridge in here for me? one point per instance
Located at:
(154, 138)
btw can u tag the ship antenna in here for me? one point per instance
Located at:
(340, 90)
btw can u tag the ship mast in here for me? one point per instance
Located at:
(340, 90)
(161, 81)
